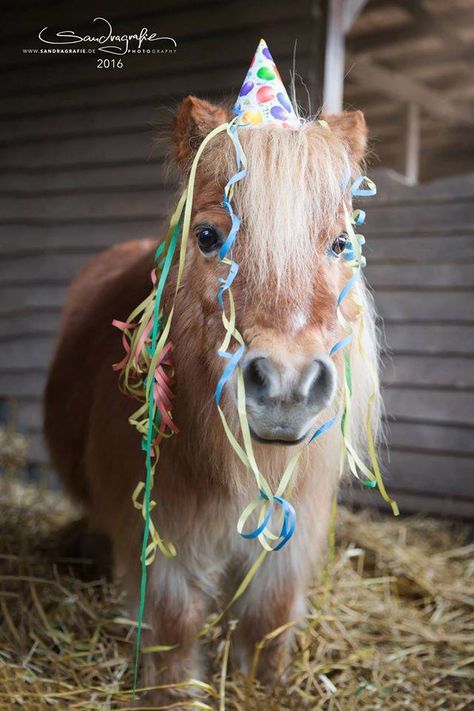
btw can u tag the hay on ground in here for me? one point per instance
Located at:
(391, 627)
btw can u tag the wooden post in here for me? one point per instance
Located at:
(412, 144)
(334, 59)
(341, 14)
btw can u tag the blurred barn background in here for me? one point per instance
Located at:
(79, 172)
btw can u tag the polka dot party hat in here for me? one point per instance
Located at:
(263, 99)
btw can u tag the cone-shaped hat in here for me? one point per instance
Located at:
(263, 99)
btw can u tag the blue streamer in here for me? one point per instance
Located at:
(358, 217)
(228, 370)
(348, 253)
(340, 344)
(260, 529)
(287, 528)
(357, 191)
(324, 428)
(227, 282)
(289, 522)
(234, 267)
(235, 222)
(347, 287)
(289, 515)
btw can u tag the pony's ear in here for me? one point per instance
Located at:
(194, 119)
(350, 126)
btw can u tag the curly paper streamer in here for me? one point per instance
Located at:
(146, 374)
(265, 501)
(362, 187)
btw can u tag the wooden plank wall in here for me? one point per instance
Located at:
(420, 254)
(79, 166)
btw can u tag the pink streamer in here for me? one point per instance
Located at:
(123, 326)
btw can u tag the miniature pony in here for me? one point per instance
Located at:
(289, 244)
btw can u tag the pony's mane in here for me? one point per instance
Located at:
(290, 197)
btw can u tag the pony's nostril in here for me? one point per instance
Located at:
(322, 384)
(255, 374)
(257, 377)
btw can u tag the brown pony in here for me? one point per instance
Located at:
(293, 227)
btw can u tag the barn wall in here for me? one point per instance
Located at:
(79, 167)
(420, 252)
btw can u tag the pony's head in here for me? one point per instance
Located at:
(293, 206)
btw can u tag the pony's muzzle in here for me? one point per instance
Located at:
(283, 399)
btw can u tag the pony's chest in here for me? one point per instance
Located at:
(211, 544)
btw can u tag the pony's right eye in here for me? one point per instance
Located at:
(340, 243)
(209, 239)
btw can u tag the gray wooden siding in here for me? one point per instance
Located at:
(420, 254)
(80, 169)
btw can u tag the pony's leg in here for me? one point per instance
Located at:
(275, 598)
(175, 610)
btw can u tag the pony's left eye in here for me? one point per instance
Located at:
(209, 239)
(340, 243)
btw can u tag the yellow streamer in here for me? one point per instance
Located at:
(141, 389)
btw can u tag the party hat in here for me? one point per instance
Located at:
(263, 98)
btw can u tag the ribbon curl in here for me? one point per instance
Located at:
(146, 373)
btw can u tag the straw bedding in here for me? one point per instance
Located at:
(390, 626)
